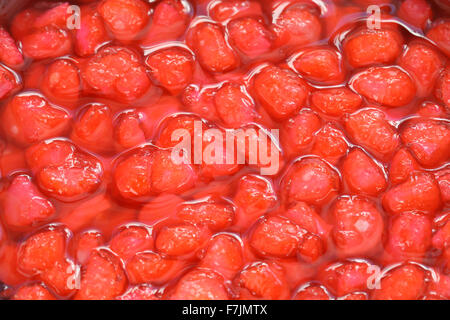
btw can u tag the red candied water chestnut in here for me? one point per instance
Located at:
(297, 25)
(323, 65)
(48, 42)
(62, 277)
(34, 291)
(168, 176)
(131, 239)
(358, 226)
(416, 12)
(93, 129)
(275, 237)
(124, 18)
(224, 10)
(404, 282)
(409, 237)
(298, 131)
(62, 80)
(9, 53)
(200, 284)
(52, 14)
(167, 137)
(116, 72)
(102, 277)
(311, 248)
(250, 36)
(42, 250)
(255, 195)
(428, 140)
(440, 35)
(9, 82)
(370, 129)
(210, 45)
(10, 272)
(63, 171)
(169, 21)
(217, 215)
(389, 86)
(308, 219)
(216, 166)
(224, 254)
(424, 64)
(348, 276)
(262, 280)
(214, 161)
(84, 243)
(362, 174)
(439, 289)
(234, 105)
(29, 117)
(442, 177)
(91, 34)
(145, 171)
(335, 102)
(151, 267)
(180, 239)
(22, 23)
(402, 165)
(24, 206)
(367, 47)
(129, 129)
(420, 192)
(132, 175)
(310, 180)
(330, 144)
(200, 100)
(172, 68)
(280, 91)
(442, 91)
(441, 236)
